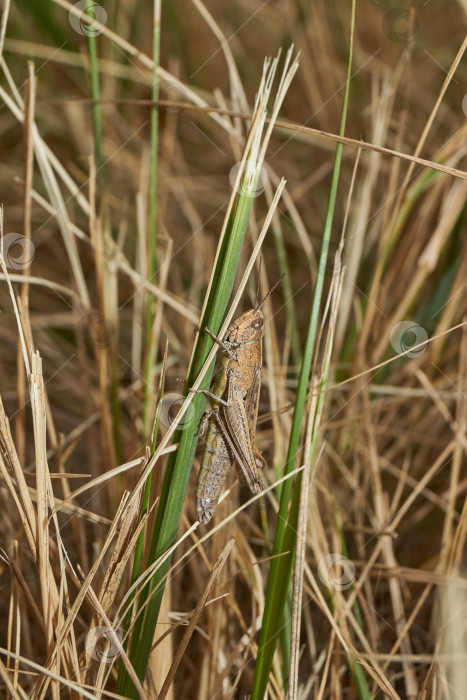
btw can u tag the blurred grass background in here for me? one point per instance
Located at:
(389, 483)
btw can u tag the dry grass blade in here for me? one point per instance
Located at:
(315, 411)
(73, 686)
(121, 469)
(3, 24)
(43, 561)
(435, 110)
(17, 695)
(22, 499)
(115, 640)
(60, 211)
(194, 618)
(28, 179)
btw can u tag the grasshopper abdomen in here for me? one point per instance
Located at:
(215, 466)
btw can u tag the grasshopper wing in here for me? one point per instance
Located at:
(237, 424)
(251, 402)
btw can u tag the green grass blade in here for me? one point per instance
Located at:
(284, 543)
(152, 215)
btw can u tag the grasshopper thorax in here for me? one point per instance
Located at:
(248, 327)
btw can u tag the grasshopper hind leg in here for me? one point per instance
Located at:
(255, 486)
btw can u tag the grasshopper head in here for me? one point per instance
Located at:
(249, 326)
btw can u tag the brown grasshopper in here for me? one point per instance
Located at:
(232, 421)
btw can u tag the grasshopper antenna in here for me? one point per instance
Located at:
(271, 291)
(258, 281)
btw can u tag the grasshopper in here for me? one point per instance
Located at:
(232, 420)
